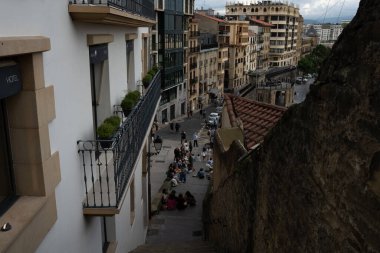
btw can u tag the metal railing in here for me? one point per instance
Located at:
(143, 8)
(209, 46)
(106, 170)
(193, 65)
(194, 49)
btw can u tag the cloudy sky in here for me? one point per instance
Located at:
(309, 9)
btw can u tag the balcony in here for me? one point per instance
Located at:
(194, 34)
(209, 46)
(194, 49)
(106, 171)
(224, 33)
(193, 65)
(131, 13)
(194, 80)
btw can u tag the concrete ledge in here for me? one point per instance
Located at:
(156, 201)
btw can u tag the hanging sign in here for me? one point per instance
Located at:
(10, 80)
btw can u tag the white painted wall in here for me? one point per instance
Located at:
(67, 69)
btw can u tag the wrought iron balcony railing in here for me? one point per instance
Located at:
(193, 65)
(139, 9)
(106, 171)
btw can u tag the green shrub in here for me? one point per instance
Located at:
(113, 120)
(106, 130)
(135, 95)
(155, 69)
(128, 103)
(147, 79)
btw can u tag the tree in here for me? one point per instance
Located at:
(311, 63)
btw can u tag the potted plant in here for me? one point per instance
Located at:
(146, 80)
(107, 130)
(129, 101)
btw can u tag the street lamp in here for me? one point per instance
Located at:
(157, 144)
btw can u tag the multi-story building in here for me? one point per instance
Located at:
(209, 85)
(212, 57)
(171, 21)
(64, 67)
(194, 102)
(235, 36)
(328, 33)
(284, 34)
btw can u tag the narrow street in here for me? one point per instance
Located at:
(301, 91)
(175, 225)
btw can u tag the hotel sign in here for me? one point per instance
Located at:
(10, 80)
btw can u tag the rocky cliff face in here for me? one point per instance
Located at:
(314, 186)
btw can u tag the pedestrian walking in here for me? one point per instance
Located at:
(183, 136)
(177, 127)
(195, 139)
(171, 126)
(201, 112)
(190, 147)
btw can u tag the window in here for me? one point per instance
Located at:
(100, 92)
(7, 184)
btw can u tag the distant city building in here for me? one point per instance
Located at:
(327, 33)
(213, 55)
(284, 34)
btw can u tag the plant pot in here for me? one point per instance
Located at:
(106, 143)
(127, 112)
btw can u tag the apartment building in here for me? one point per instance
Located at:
(212, 57)
(172, 19)
(194, 102)
(65, 66)
(234, 35)
(260, 40)
(284, 17)
(328, 33)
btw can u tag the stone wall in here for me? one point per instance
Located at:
(315, 184)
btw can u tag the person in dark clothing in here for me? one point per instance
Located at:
(181, 202)
(171, 126)
(183, 136)
(190, 199)
(176, 127)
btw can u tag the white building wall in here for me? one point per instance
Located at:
(67, 68)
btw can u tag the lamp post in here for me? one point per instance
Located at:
(157, 143)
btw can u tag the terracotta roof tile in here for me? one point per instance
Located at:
(211, 17)
(257, 118)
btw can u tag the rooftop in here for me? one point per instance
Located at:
(210, 17)
(257, 118)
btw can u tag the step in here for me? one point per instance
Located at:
(175, 247)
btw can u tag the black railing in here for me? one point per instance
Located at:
(193, 65)
(194, 80)
(194, 49)
(143, 8)
(106, 170)
(209, 46)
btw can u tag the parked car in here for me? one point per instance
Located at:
(213, 119)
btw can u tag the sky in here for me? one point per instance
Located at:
(309, 9)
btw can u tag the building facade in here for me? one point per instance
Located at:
(172, 19)
(284, 17)
(66, 70)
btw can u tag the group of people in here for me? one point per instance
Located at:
(172, 201)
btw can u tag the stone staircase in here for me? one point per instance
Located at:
(197, 246)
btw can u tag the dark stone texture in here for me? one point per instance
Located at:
(311, 187)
